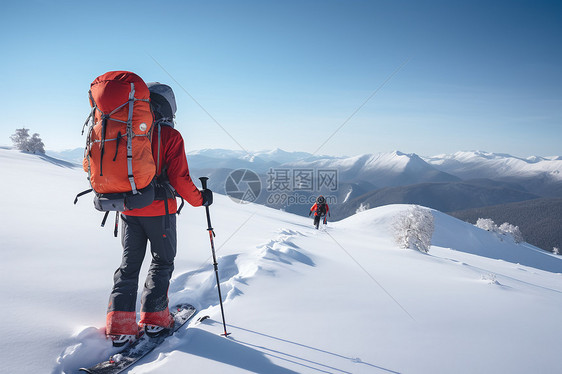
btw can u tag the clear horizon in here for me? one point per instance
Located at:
(330, 77)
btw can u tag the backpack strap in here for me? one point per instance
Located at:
(119, 136)
(116, 227)
(91, 115)
(158, 171)
(81, 194)
(104, 218)
(130, 140)
(181, 205)
(102, 150)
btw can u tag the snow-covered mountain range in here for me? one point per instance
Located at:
(464, 165)
(344, 299)
(382, 169)
(365, 173)
(463, 180)
(473, 165)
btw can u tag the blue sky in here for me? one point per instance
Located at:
(464, 75)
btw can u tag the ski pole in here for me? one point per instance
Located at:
(215, 264)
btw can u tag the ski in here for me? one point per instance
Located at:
(143, 346)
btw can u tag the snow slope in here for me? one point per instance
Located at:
(340, 300)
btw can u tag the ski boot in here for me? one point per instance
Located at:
(122, 340)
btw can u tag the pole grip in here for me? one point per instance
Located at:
(203, 182)
(204, 185)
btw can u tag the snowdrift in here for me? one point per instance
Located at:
(344, 299)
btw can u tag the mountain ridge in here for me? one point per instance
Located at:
(463, 164)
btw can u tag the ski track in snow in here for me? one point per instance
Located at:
(198, 287)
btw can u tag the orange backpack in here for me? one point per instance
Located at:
(118, 155)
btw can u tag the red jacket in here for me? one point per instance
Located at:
(315, 209)
(172, 155)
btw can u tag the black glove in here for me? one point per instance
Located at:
(207, 195)
(309, 213)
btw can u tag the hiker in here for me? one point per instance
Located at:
(321, 210)
(155, 223)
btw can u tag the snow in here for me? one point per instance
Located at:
(344, 299)
(478, 164)
(395, 161)
(260, 161)
(348, 195)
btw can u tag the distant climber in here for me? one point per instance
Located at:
(321, 211)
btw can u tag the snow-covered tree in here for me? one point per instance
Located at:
(505, 229)
(486, 224)
(20, 139)
(35, 144)
(23, 142)
(414, 228)
(509, 229)
(362, 208)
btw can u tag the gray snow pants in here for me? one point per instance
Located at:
(135, 233)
